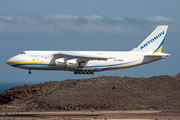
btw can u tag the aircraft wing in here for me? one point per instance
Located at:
(79, 55)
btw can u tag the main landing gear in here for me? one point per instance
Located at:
(29, 71)
(84, 72)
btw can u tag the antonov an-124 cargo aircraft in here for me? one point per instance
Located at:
(88, 62)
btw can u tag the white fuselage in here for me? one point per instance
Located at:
(45, 60)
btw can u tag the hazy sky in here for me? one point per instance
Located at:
(87, 25)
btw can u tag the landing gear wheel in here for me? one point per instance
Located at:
(29, 72)
(80, 72)
(84, 72)
(92, 72)
(88, 72)
(75, 72)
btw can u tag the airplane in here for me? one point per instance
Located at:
(88, 62)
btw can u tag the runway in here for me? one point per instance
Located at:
(90, 115)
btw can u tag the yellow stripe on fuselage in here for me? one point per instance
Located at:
(86, 65)
(23, 62)
(125, 64)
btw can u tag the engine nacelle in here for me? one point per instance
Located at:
(60, 62)
(72, 63)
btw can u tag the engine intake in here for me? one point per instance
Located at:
(72, 63)
(60, 62)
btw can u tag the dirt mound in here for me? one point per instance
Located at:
(104, 92)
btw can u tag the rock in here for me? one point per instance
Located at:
(92, 110)
(65, 108)
(104, 92)
(114, 87)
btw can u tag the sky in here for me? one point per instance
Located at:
(86, 25)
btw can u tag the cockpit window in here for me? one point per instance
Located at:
(23, 53)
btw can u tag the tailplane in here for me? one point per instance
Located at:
(154, 41)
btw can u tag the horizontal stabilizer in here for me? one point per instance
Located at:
(157, 55)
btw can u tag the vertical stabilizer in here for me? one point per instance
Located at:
(154, 41)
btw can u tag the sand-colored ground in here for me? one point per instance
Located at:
(90, 115)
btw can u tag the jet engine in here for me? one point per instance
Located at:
(72, 63)
(60, 62)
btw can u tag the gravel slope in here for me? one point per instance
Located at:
(104, 92)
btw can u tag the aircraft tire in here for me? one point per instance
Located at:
(80, 72)
(75, 72)
(89, 72)
(29, 71)
(92, 72)
(85, 72)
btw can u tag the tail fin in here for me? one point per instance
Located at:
(154, 41)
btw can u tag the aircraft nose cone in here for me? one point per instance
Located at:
(16, 60)
(10, 61)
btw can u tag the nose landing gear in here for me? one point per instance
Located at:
(29, 71)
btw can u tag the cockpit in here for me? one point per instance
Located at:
(23, 52)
